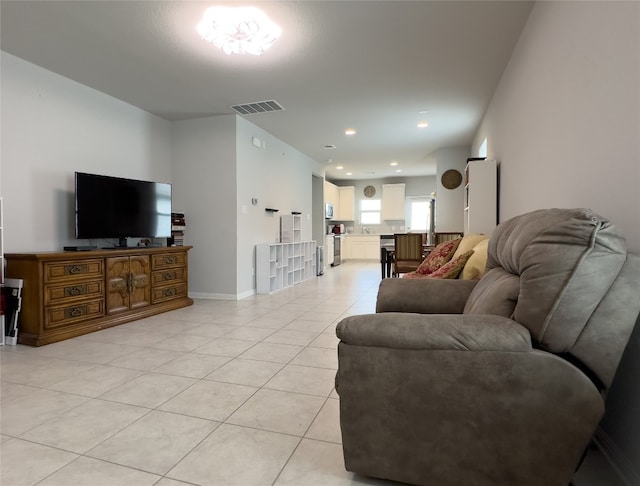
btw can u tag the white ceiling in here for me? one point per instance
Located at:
(370, 65)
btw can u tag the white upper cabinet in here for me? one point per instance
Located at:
(346, 198)
(343, 200)
(393, 201)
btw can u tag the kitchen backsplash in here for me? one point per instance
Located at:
(387, 227)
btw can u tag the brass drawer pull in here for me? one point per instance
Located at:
(75, 291)
(170, 292)
(169, 276)
(170, 259)
(75, 311)
(74, 269)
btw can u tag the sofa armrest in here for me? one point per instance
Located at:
(430, 296)
(469, 332)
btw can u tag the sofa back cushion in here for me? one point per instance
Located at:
(558, 264)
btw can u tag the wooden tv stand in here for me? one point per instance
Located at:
(69, 293)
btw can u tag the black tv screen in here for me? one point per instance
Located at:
(113, 207)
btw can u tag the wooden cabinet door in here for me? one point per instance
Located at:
(128, 283)
(140, 270)
(118, 297)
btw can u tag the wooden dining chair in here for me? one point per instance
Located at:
(407, 253)
(442, 237)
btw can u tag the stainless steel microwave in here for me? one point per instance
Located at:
(328, 211)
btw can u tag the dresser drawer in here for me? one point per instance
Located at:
(169, 292)
(56, 316)
(54, 294)
(168, 260)
(169, 275)
(65, 270)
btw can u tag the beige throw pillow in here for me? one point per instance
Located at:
(475, 266)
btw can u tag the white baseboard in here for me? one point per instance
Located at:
(203, 295)
(627, 472)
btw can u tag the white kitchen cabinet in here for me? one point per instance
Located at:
(481, 197)
(393, 201)
(281, 265)
(364, 247)
(345, 249)
(346, 202)
(331, 196)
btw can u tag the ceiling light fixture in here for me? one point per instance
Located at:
(349, 173)
(398, 170)
(422, 124)
(350, 131)
(393, 164)
(339, 167)
(238, 30)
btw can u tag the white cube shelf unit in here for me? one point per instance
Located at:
(291, 228)
(282, 265)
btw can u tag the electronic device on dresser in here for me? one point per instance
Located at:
(115, 207)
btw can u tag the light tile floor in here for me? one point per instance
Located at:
(219, 393)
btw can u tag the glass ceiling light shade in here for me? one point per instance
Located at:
(238, 30)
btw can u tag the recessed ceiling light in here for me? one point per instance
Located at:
(348, 173)
(398, 170)
(339, 167)
(238, 30)
(350, 131)
(393, 164)
(423, 124)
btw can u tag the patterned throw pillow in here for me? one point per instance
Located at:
(414, 274)
(440, 255)
(452, 268)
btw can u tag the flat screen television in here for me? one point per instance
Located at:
(114, 207)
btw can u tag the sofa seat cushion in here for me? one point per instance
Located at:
(440, 255)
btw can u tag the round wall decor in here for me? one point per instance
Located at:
(369, 191)
(451, 179)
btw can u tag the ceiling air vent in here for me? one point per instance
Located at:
(258, 107)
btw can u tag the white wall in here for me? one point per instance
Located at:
(278, 176)
(204, 188)
(217, 171)
(565, 125)
(52, 127)
(565, 120)
(450, 202)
